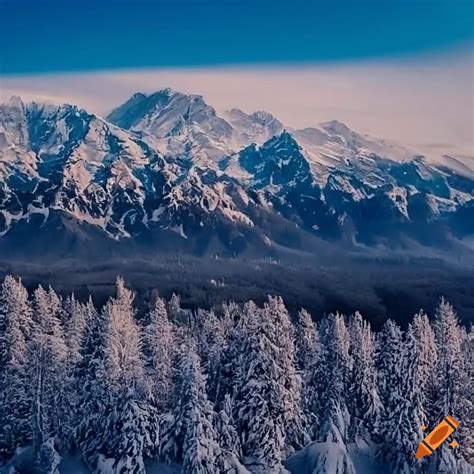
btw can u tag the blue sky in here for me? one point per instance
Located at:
(399, 69)
(42, 36)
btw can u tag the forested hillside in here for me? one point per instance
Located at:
(241, 388)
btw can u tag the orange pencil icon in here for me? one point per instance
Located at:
(437, 437)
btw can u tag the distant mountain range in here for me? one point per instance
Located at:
(165, 173)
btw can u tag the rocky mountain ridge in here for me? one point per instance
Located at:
(167, 164)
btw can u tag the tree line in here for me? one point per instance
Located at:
(236, 389)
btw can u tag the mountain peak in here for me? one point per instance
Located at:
(279, 146)
(138, 96)
(189, 160)
(160, 112)
(334, 126)
(256, 127)
(262, 116)
(285, 137)
(168, 114)
(162, 95)
(16, 101)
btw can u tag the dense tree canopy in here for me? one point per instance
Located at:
(233, 390)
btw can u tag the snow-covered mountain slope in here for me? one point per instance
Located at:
(167, 113)
(62, 161)
(168, 162)
(62, 158)
(178, 124)
(257, 127)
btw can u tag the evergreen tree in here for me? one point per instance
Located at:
(406, 371)
(194, 440)
(364, 401)
(212, 345)
(450, 381)
(306, 341)
(49, 458)
(174, 308)
(123, 343)
(92, 393)
(74, 327)
(389, 360)
(279, 330)
(69, 409)
(49, 359)
(160, 343)
(231, 314)
(331, 381)
(226, 430)
(425, 353)
(449, 367)
(468, 397)
(258, 393)
(68, 307)
(402, 427)
(131, 432)
(266, 385)
(71, 377)
(131, 423)
(236, 320)
(15, 367)
(308, 351)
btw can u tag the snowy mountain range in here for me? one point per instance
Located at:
(164, 171)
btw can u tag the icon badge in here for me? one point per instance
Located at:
(437, 437)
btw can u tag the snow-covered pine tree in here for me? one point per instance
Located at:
(390, 345)
(70, 410)
(236, 320)
(130, 435)
(402, 426)
(68, 307)
(195, 439)
(92, 392)
(123, 343)
(257, 392)
(364, 401)
(308, 348)
(169, 446)
(405, 379)
(212, 345)
(449, 367)
(174, 307)
(231, 313)
(468, 397)
(49, 359)
(266, 387)
(278, 328)
(426, 357)
(160, 347)
(306, 341)
(331, 381)
(49, 458)
(131, 425)
(450, 380)
(74, 327)
(228, 436)
(15, 367)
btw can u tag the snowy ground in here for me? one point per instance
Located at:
(324, 458)
(72, 465)
(332, 458)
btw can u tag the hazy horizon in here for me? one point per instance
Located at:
(422, 101)
(395, 70)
